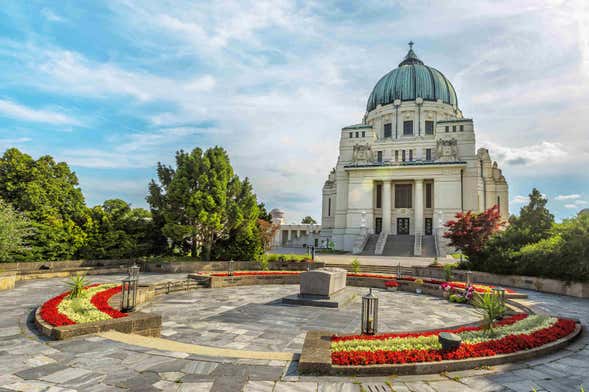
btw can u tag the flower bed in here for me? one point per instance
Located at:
(91, 306)
(513, 334)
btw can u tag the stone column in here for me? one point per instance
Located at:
(386, 206)
(418, 206)
(289, 234)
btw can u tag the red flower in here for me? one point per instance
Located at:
(506, 345)
(100, 301)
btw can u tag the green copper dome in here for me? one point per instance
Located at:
(411, 80)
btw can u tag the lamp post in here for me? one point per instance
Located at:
(468, 278)
(369, 314)
(312, 253)
(230, 270)
(399, 270)
(129, 289)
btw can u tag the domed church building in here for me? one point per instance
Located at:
(407, 168)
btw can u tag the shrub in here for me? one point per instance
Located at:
(491, 306)
(76, 286)
(355, 265)
(448, 271)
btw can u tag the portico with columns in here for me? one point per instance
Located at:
(408, 167)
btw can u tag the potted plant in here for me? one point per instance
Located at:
(418, 282)
(391, 285)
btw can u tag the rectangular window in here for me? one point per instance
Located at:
(388, 130)
(429, 127)
(396, 155)
(428, 154)
(453, 128)
(428, 195)
(410, 155)
(329, 207)
(363, 133)
(403, 196)
(379, 156)
(462, 128)
(447, 129)
(351, 135)
(378, 195)
(403, 155)
(408, 128)
(357, 134)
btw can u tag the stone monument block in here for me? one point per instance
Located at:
(322, 282)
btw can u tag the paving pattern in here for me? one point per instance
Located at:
(29, 363)
(254, 317)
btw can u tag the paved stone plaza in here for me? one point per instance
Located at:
(29, 363)
(254, 318)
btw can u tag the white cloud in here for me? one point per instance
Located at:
(519, 199)
(571, 206)
(51, 16)
(20, 112)
(567, 197)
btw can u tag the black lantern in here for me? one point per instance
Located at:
(369, 314)
(230, 271)
(398, 270)
(129, 289)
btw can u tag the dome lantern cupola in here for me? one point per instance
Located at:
(411, 80)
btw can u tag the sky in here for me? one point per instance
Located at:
(113, 87)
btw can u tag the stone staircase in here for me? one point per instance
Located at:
(370, 246)
(399, 245)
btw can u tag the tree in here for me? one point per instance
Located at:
(116, 230)
(202, 202)
(48, 194)
(501, 253)
(263, 213)
(14, 230)
(469, 231)
(308, 220)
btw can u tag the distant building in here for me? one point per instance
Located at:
(584, 211)
(293, 235)
(408, 167)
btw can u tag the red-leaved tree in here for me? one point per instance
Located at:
(469, 231)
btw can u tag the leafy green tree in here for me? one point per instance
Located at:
(202, 202)
(14, 230)
(533, 224)
(48, 194)
(308, 220)
(115, 230)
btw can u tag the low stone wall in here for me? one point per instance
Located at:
(7, 280)
(252, 280)
(574, 289)
(212, 266)
(316, 359)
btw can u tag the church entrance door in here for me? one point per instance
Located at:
(402, 226)
(377, 225)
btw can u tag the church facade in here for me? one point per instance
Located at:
(408, 167)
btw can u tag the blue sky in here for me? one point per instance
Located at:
(113, 87)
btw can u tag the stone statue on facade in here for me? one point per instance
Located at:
(362, 154)
(447, 150)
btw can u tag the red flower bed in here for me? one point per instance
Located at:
(506, 321)
(507, 345)
(391, 283)
(100, 301)
(50, 309)
(50, 314)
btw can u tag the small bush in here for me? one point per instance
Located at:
(448, 271)
(491, 306)
(355, 265)
(76, 286)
